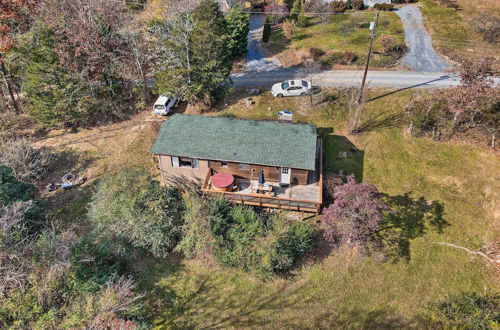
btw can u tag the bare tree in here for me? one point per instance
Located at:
(116, 297)
(488, 26)
(27, 162)
(14, 242)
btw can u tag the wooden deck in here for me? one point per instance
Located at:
(307, 198)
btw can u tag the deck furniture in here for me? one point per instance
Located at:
(222, 182)
(264, 188)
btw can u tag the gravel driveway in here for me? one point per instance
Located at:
(421, 55)
(256, 58)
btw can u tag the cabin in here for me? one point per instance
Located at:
(262, 163)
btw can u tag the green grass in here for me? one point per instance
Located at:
(448, 28)
(346, 290)
(342, 289)
(327, 37)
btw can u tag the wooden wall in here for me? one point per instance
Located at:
(271, 173)
(182, 175)
(194, 176)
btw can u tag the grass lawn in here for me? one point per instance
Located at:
(452, 31)
(342, 289)
(328, 37)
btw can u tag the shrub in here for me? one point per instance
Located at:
(341, 58)
(388, 42)
(338, 6)
(358, 5)
(349, 57)
(466, 311)
(302, 21)
(285, 244)
(383, 6)
(265, 244)
(131, 208)
(355, 215)
(288, 28)
(316, 53)
(26, 162)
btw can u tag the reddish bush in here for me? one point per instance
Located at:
(355, 214)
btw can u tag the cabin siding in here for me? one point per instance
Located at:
(181, 175)
(176, 175)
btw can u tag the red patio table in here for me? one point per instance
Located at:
(222, 181)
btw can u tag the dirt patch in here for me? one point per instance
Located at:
(96, 151)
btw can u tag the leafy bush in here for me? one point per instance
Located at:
(466, 311)
(265, 244)
(131, 208)
(358, 5)
(355, 214)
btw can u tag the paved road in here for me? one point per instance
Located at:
(421, 55)
(348, 78)
(256, 58)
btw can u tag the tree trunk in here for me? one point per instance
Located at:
(8, 85)
(493, 140)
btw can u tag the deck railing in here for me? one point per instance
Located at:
(269, 201)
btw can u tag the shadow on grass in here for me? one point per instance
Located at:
(410, 87)
(409, 219)
(210, 300)
(382, 121)
(340, 156)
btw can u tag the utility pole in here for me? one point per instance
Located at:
(373, 27)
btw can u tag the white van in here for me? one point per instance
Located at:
(165, 105)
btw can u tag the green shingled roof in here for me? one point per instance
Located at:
(238, 140)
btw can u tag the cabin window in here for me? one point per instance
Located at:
(185, 162)
(195, 163)
(223, 164)
(244, 166)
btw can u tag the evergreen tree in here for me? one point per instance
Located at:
(296, 9)
(266, 34)
(197, 59)
(238, 27)
(51, 91)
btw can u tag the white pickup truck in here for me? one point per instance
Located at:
(165, 105)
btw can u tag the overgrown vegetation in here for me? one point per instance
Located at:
(131, 209)
(472, 108)
(344, 39)
(468, 29)
(467, 310)
(48, 276)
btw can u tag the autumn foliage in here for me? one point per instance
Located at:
(355, 214)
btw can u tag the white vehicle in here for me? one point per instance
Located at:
(292, 88)
(165, 105)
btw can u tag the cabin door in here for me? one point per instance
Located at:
(285, 174)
